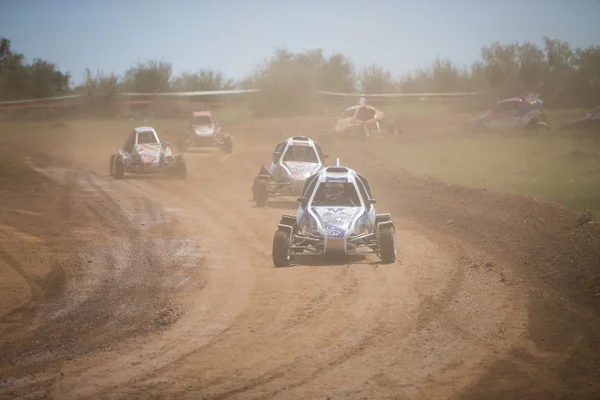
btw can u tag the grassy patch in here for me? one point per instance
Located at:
(235, 115)
(420, 108)
(550, 166)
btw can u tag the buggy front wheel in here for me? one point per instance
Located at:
(119, 168)
(111, 169)
(281, 251)
(366, 132)
(387, 245)
(228, 143)
(261, 194)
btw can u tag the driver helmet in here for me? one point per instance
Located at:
(333, 190)
(298, 153)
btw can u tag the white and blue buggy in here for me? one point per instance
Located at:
(336, 216)
(515, 113)
(294, 160)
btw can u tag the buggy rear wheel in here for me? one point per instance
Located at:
(366, 132)
(228, 143)
(254, 189)
(111, 169)
(261, 194)
(281, 251)
(387, 245)
(119, 167)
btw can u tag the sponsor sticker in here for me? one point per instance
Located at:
(334, 231)
(336, 179)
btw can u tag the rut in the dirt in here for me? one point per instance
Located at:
(109, 281)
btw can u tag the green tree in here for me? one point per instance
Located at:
(19, 80)
(441, 76)
(46, 80)
(102, 91)
(148, 77)
(586, 79)
(205, 79)
(336, 74)
(375, 79)
(287, 82)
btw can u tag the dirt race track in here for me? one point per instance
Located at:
(156, 288)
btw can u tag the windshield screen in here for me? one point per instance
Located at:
(146, 137)
(202, 120)
(300, 154)
(348, 113)
(340, 194)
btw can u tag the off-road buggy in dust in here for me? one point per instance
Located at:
(203, 131)
(293, 160)
(336, 216)
(515, 113)
(145, 153)
(362, 121)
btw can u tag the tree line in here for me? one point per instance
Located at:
(289, 81)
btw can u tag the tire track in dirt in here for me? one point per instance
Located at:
(290, 366)
(432, 306)
(45, 282)
(234, 221)
(34, 286)
(346, 295)
(183, 337)
(25, 312)
(276, 373)
(81, 304)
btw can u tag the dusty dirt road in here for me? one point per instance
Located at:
(158, 288)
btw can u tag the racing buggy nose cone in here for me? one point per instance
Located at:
(147, 159)
(203, 131)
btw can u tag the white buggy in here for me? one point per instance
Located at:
(202, 130)
(145, 153)
(336, 215)
(294, 160)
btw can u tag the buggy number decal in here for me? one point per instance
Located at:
(342, 220)
(334, 232)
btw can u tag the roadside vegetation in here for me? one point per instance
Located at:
(550, 167)
(565, 77)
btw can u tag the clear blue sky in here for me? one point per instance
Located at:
(233, 36)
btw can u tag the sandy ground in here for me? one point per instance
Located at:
(157, 288)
